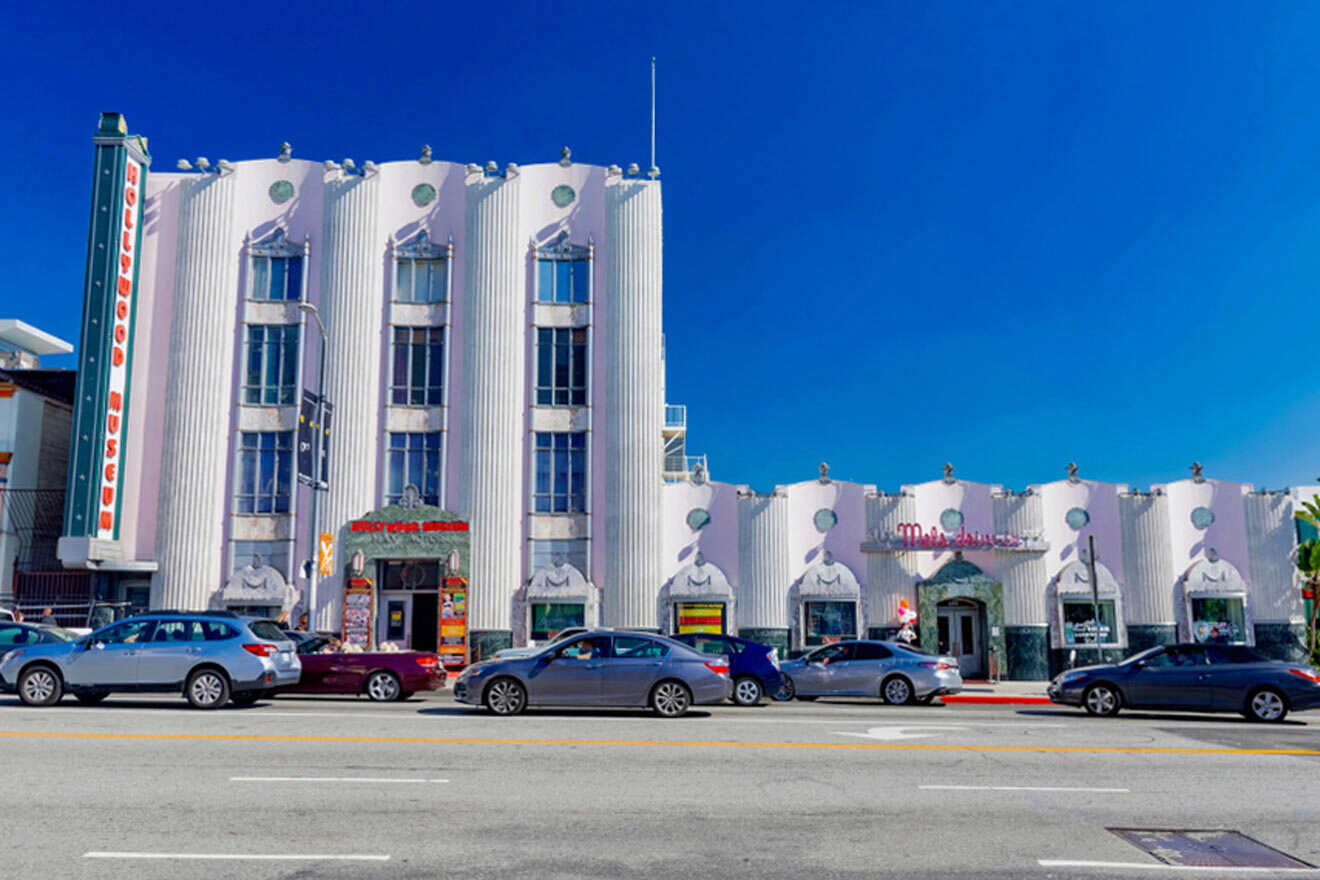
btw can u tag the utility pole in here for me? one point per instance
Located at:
(1095, 594)
(316, 484)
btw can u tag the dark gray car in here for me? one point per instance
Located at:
(600, 668)
(894, 672)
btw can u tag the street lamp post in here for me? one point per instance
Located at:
(1095, 596)
(317, 485)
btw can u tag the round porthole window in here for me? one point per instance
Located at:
(423, 194)
(563, 195)
(825, 519)
(951, 519)
(280, 191)
(698, 518)
(1077, 517)
(1202, 517)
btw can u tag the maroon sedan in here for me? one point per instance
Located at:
(383, 676)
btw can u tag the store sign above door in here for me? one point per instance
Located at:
(911, 536)
(371, 525)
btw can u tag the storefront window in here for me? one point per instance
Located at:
(830, 621)
(413, 574)
(1218, 620)
(699, 617)
(551, 618)
(1079, 622)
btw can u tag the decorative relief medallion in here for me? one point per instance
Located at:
(951, 519)
(1077, 518)
(423, 194)
(698, 518)
(825, 519)
(563, 195)
(1202, 517)
(280, 191)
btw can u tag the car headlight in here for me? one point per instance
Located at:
(1068, 677)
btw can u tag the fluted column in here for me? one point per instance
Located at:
(889, 576)
(634, 403)
(764, 569)
(1022, 574)
(1148, 603)
(190, 516)
(351, 303)
(494, 324)
(1276, 600)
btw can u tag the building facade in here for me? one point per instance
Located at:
(490, 341)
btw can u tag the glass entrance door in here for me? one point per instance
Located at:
(960, 636)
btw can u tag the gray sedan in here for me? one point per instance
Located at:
(894, 672)
(600, 668)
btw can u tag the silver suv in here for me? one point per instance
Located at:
(211, 657)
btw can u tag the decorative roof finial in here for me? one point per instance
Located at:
(948, 473)
(565, 157)
(286, 151)
(633, 170)
(1197, 476)
(698, 474)
(426, 155)
(1072, 472)
(824, 472)
(492, 168)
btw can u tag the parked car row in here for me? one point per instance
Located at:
(212, 658)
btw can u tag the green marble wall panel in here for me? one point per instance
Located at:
(1148, 635)
(1026, 653)
(771, 636)
(1282, 641)
(483, 643)
(961, 579)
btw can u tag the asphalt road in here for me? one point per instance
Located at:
(308, 788)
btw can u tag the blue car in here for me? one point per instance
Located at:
(754, 667)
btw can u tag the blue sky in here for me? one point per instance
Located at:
(1004, 235)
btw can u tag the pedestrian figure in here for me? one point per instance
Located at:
(48, 617)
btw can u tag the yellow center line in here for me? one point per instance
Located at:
(642, 743)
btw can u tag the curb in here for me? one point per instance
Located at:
(997, 700)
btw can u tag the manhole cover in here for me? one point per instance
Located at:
(1207, 848)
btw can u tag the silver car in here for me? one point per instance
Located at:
(211, 657)
(892, 671)
(600, 668)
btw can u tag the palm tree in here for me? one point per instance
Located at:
(1308, 563)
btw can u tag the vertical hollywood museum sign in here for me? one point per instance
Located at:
(96, 472)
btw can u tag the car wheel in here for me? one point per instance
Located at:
(1266, 704)
(786, 691)
(383, 687)
(247, 698)
(747, 691)
(1102, 700)
(40, 686)
(91, 698)
(207, 689)
(671, 699)
(506, 696)
(897, 691)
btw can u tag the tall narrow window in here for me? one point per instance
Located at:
(561, 468)
(561, 366)
(271, 376)
(419, 364)
(414, 458)
(276, 268)
(563, 272)
(421, 270)
(265, 471)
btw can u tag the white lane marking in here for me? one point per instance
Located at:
(898, 731)
(1020, 788)
(1160, 866)
(282, 857)
(327, 779)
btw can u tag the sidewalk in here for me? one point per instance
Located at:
(1022, 693)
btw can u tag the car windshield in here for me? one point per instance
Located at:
(62, 635)
(312, 645)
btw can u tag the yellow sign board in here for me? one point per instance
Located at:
(326, 554)
(699, 617)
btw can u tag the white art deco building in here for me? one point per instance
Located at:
(494, 357)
